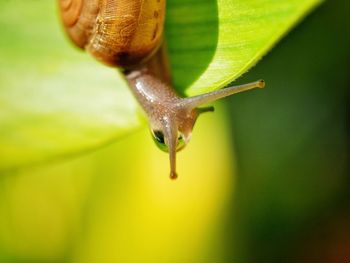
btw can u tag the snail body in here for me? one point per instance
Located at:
(128, 34)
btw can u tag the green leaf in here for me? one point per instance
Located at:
(213, 42)
(56, 101)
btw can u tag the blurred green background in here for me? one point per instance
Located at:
(265, 178)
(291, 202)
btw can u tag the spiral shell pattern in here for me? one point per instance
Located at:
(121, 33)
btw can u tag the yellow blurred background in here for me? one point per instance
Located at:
(118, 204)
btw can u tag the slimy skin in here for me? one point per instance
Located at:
(172, 117)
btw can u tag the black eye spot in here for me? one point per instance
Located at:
(159, 136)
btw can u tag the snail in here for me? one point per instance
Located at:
(129, 34)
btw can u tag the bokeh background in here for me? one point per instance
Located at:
(292, 144)
(265, 178)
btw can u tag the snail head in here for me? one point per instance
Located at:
(172, 121)
(172, 129)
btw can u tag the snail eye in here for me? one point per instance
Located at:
(158, 137)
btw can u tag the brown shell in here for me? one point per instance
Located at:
(121, 33)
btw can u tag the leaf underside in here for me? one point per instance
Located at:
(56, 101)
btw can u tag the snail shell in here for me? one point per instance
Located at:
(123, 33)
